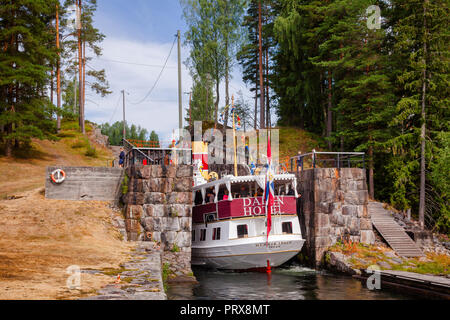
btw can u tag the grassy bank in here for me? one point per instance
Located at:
(361, 256)
(26, 170)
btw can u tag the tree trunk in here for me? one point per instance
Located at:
(227, 87)
(216, 104)
(256, 103)
(207, 115)
(262, 110)
(371, 183)
(423, 129)
(58, 73)
(84, 85)
(324, 107)
(51, 86)
(329, 111)
(80, 76)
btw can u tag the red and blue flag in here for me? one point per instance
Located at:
(269, 192)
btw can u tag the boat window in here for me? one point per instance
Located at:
(242, 231)
(203, 235)
(193, 235)
(216, 234)
(287, 227)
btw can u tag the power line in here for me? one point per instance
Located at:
(159, 76)
(136, 64)
(115, 110)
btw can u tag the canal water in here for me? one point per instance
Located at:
(293, 282)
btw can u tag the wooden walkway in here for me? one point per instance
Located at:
(422, 285)
(392, 232)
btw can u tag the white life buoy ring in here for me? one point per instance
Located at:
(58, 176)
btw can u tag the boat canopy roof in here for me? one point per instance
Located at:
(259, 179)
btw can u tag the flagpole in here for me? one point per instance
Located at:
(234, 140)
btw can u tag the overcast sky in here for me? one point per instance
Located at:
(143, 32)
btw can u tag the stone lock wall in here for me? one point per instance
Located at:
(334, 206)
(159, 205)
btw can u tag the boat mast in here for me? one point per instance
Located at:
(234, 139)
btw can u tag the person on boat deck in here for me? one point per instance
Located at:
(299, 162)
(225, 196)
(211, 197)
(198, 198)
(244, 193)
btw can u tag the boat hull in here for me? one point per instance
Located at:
(249, 253)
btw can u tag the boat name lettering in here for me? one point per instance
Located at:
(253, 207)
(276, 244)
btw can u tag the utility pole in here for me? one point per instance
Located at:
(58, 72)
(124, 121)
(180, 97)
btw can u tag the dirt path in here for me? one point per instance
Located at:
(40, 239)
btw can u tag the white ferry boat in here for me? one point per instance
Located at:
(229, 223)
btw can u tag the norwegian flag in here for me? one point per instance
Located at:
(269, 191)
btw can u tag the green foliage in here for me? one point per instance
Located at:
(175, 248)
(440, 177)
(25, 58)
(95, 79)
(80, 144)
(166, 273)
(125, 184)
(91, 152)
(154, 136)
(363, 89)
(28, 60)
(213, 36)
(202, 104)
(115, 133)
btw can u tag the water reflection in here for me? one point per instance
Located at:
(290, 283)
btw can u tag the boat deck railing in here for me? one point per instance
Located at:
(337, 160)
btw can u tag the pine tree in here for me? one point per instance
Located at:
(247, 56)
(202, 102)
(297, 82)
(420, 45)
(89, 43)
(27, 52)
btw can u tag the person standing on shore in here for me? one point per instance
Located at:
(121, 158)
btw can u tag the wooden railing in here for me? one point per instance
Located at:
(154, 155)
(144, 144)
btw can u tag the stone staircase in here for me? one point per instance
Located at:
(116, 153)
(392, 232)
